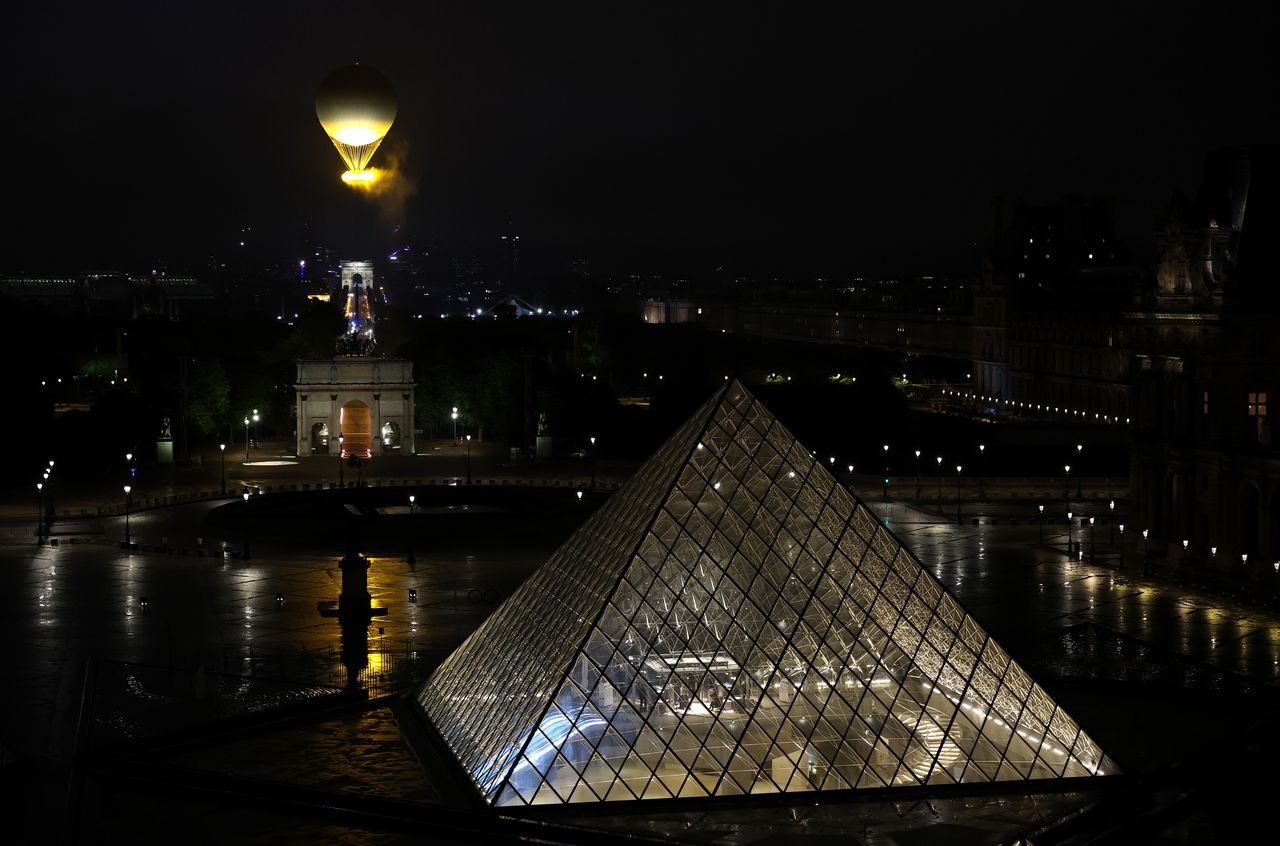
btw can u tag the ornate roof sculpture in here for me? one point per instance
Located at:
(735, 621)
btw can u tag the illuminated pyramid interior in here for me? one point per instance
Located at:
(734, 621)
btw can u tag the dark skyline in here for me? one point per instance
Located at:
(632, 136)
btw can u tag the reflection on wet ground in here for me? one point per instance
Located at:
(131, 701)
(1132, 659)
(362, 753)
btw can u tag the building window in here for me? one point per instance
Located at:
(1258, 411)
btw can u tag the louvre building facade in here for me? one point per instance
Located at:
(735, 621)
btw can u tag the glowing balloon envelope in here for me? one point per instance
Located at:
(356, 106)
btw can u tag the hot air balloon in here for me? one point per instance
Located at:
(356, 106)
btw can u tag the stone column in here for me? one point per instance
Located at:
(407, 434)
(303, 436)
(335, 427)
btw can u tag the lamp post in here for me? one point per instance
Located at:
(1079, 481)
(454, 415)
(1213, 565)
(1090, 538)
(939, 482)
(341, 480)
(1146, 567)
(222, 461)
(1112, 506)
(592, 458)
(917, 477)
(411, 559)
(128, 501)
(1121, 567)
(246, 439)
(1069, 534)
(982, 488)
(255, 427)
(40, 513)
(886, 471)
(245, 555)
(1066, 485)
(1182, 570)
(46, 503)
(958, 468)
(468, 459)
(1042, 525)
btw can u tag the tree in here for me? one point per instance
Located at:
(208, 397)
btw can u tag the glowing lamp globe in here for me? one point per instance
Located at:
(356, 106)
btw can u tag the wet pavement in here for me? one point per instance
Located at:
(201, 605)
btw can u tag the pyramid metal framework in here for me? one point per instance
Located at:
(735, 621)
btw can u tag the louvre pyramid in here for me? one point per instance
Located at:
(735, 621)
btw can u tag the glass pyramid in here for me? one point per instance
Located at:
(735, 621)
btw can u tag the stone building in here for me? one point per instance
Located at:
(1207, 365)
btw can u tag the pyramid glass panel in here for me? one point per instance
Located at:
(733, 620)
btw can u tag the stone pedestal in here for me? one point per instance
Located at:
(164, 452)
(544, 448)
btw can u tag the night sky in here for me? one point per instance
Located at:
(637, 136)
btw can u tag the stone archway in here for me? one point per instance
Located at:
(320, 439)
(390, 435)
(356, 429)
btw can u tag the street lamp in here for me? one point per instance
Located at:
(1146, 567)
(128, 501)
(939, 482)
(1182, 571)
(958, 468)
(341, 482)
(1213, 565)
(1121, 567)
(1069, 544)
(222, 460)
(1112, 506)
(593, 461)
(886, 471)
(468, 459)
(40, 514)
(1090, 538)
(1042, 525)
(246, 528)
(411, 559)
(1066, 484)
(454, 415)
(246, 439)
(255, 427)
(917, 477)
(982, 488)
(1079, 480)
